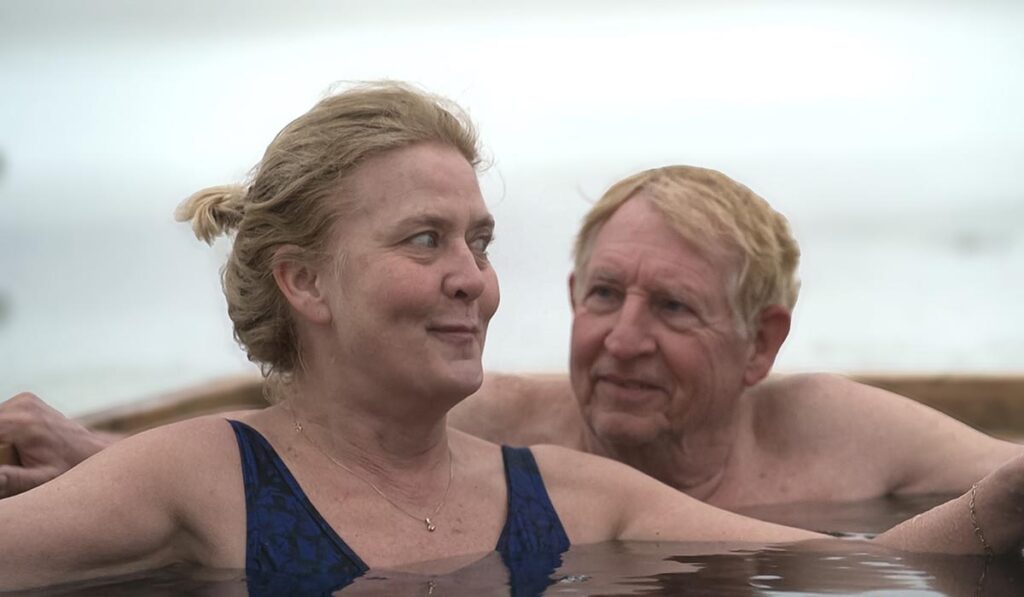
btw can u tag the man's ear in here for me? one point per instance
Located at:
(572, 290)
(302, 284)
(770, 330)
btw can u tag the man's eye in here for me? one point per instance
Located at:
(427, 240)
(481, 244)
(602, 295)
(674, 306)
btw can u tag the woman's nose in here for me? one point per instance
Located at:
(465, 280)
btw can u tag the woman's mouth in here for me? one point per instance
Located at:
(457, 333)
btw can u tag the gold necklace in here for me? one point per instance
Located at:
(426, 520)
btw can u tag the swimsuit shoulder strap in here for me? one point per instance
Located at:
(285, 534)
(532, 524)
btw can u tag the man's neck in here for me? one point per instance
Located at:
(696, 463)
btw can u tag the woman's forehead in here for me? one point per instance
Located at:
(421, 177)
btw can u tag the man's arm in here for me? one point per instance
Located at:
(521, 410)
(46, 443)
(915, 448)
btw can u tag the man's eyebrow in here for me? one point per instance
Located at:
(668, 284)
(606, 273)
(486, 221)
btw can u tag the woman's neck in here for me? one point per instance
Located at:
(367, 430)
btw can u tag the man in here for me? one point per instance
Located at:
(682, 293)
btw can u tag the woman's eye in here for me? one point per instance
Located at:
(427, 240)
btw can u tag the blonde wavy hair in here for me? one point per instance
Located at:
(718, 214)
(295, 195)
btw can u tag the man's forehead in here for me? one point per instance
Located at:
(659, 272)
(619, 244)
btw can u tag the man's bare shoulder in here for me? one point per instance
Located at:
(808, 408)
(781, 389)
(521, 410)
(815, 424)
(805, 411)
(819, 397)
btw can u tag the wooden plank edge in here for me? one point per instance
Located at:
(220, 395)
(993, 402)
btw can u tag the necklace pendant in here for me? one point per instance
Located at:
(430, 526)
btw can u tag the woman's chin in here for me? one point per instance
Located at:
(465, 378)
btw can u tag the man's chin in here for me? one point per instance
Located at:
(625, 430)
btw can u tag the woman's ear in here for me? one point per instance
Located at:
(771, 330)
(302, 284)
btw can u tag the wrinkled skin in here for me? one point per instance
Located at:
(47, 443)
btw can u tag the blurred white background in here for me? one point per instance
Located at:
(891, 134)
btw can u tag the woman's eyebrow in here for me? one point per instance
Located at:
(438, 221)
(427, 220)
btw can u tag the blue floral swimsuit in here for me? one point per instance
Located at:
(290, 548)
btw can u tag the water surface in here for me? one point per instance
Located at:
(841, 567)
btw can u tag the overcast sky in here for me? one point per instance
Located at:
(890, 134)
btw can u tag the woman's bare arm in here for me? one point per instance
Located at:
(586, 489)
(988, 518)
(123, 511)
(601, 500)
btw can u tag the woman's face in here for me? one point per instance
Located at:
(412, 289)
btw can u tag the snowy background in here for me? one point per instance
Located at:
(890, 134)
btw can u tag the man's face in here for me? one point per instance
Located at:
(655, 346)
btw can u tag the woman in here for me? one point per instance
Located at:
(359, 280)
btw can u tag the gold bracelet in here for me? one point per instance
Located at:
(977, 527)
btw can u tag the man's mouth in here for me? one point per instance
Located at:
(629, 383)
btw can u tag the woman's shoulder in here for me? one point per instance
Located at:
(194, 436)
(565, 466)
(590, 493)
(177, 459)
(196, 467)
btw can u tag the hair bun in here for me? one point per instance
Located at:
(213, 211)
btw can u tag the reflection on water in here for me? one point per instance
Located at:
(641, 568)
(631, 568)
(177, 580)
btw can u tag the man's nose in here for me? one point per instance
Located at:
(630, 336)
(465, 278)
